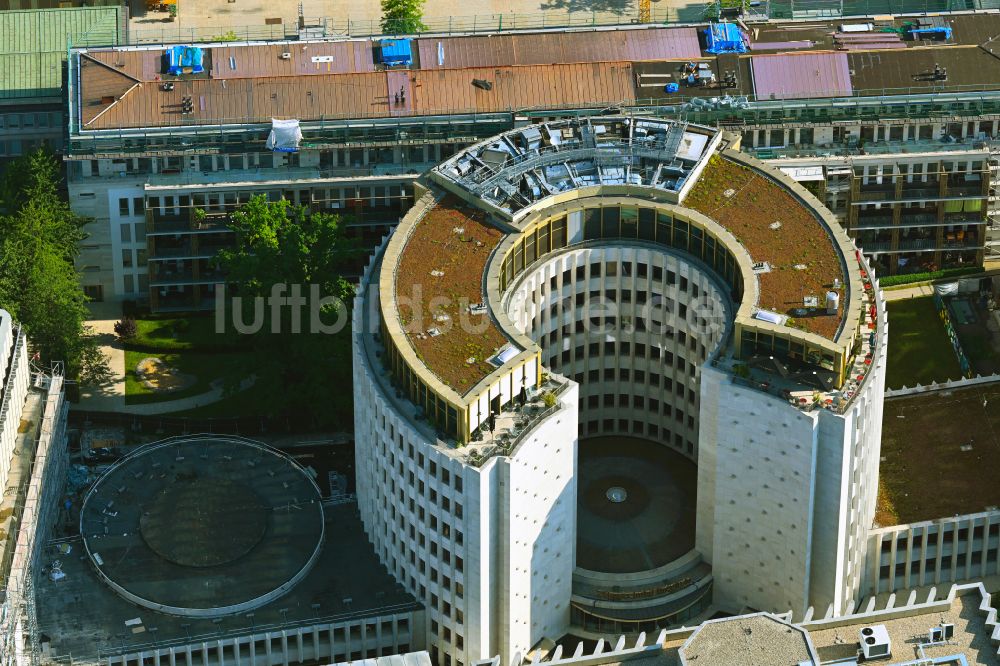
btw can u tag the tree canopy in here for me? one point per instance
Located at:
(284, 250)
(402, 17)
(39, 285)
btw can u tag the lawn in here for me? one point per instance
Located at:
(179, 333)
(205, 367)
(919, 349)
(189, 344)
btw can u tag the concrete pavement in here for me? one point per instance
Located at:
(226, 15)
(108, 397)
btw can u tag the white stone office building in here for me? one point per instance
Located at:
(628, 278)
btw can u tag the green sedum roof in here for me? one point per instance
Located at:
(33, 45)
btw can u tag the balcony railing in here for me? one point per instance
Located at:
(169, 278)
(922, 245)
(204, 251)
(171, 223)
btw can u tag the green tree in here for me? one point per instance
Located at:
(309, 371)
(402, 17)
(39, 284)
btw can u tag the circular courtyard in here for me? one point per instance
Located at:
(203, 526)
(636, 504)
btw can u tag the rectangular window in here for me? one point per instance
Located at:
(123, 206)
(126, 233)
(127, 260)
(137, 206)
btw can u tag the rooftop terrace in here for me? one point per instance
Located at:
(451, 259)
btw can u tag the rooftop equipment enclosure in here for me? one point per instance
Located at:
(724, 38)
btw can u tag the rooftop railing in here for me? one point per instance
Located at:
(506, 22)
(974, 100)
(522, 421)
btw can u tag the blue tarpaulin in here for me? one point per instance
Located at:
(185, 56)
(943, 31)
(724, 38)
(396, 52)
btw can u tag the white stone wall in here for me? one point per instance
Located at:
(764, 454)
(785, 497)
(933, 552)
(342, 641)
(538, 530)
(847, 491)
(455, 535)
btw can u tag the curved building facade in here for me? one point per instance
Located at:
(611, 373)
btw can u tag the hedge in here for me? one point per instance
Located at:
(893, 280)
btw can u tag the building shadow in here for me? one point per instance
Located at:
(610, 6)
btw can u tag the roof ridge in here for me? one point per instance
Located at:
(120, 94)
(109, 67)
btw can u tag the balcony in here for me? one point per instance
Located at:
(169, 278)
(870, 148)
(186, 251)
(917, 221)
(868, 195)
(158, 224)
(874, 222)
(200, 180)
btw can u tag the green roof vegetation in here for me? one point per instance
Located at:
(919, 349)
(33, 45)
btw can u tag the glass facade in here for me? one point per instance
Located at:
(625, 222)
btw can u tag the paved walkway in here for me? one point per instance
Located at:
(905, 293)
(226, 15)
(183, 404)
(109, 397)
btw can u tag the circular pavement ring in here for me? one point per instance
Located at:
(203, 526)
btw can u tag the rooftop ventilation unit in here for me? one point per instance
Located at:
(285, 56)
(948, 629)
(875, 642)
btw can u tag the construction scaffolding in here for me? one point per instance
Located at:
(35, 501)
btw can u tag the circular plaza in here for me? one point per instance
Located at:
(636, 505)
(203, 526)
